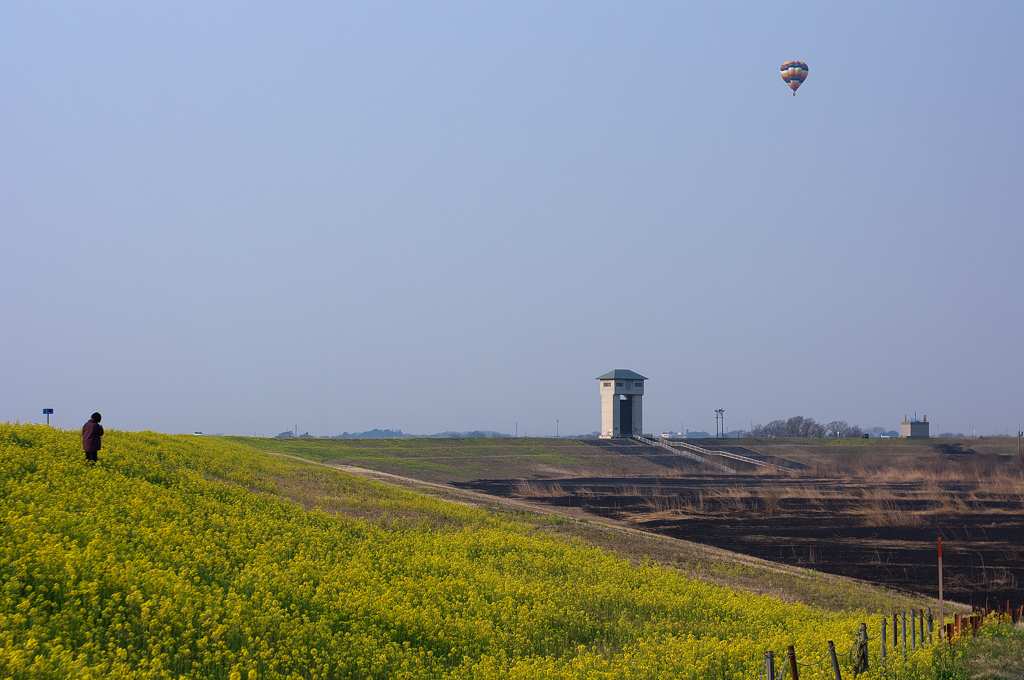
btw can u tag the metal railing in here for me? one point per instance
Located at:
(725, 454)
(689, 454)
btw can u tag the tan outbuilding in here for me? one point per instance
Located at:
(622, 395)
(914, 429)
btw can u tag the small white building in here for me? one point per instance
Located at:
(622, 395)
(914, 429)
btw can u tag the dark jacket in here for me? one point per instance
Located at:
(91, 434)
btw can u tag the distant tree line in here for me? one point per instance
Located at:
(289, 434)
(393, 434)
(798, 426)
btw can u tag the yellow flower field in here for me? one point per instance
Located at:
(174, 557)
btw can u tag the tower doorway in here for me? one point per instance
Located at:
(626, 415)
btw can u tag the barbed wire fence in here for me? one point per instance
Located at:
(922, 629)
(857, 657)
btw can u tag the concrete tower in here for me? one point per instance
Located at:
(622, 395)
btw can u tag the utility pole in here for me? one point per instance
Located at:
(556, 428)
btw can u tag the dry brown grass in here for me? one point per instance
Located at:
(662, 503)
(1006, 484)
(949, 505)
(889, 513)
(915, 490)
(873, 490)
(694, 505)
(775, 472)
(899, 475)
(527, 489)
(771, 496)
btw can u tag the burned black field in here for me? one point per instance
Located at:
(878, 524)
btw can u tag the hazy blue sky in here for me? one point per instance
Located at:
(241, 217)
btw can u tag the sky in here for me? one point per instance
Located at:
(244, 218)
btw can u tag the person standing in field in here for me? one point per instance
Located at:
(92, 433)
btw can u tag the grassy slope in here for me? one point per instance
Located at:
(998, 655)
(815, 451)
(447, 460)
(183, 556)
(464, 459)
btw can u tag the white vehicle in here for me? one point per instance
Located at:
(197, 433)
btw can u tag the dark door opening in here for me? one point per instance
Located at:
(626, 416)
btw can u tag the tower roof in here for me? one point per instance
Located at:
(621, 374)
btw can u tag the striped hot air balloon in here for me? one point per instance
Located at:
(794, 73)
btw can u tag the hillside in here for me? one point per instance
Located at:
(182, 556)
(866, 509)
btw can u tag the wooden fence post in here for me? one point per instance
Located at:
(903, 634)
(861, 665)
(931, 625)
(882, 638)
(835, 661)
(913, 629)
(791, 653)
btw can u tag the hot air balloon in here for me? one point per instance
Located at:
(794, 73)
